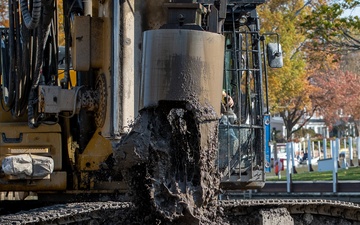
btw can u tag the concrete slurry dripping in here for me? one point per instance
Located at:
(168, 161)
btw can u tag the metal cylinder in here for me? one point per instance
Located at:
(87, 7)
(179, 65)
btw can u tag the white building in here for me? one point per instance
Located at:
(316, 123)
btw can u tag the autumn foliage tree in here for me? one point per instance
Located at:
(332, 53)
(289, 87)
(314, 34)
(61, 34)
(4, 21)
(338, 94)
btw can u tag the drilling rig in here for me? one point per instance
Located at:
(163, 100)
(63, 106)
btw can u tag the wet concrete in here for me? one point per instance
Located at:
(168, 161)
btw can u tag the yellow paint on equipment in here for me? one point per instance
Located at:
(28, 150)
(96, 152)
(61, 74)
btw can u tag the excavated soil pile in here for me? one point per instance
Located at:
(168, 161)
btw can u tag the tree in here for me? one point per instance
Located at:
(337, 95)
(350, 63)
(61, 34)
(336, 75)
(330, 31)
(289, 87)
(4, 13)
(314, 35)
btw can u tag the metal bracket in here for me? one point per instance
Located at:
(11, 140)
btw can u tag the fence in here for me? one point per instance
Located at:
(330, 154)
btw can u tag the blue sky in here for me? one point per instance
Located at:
(353, 12)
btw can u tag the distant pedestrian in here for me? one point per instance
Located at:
(278, 167)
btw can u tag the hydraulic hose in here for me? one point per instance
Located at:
(9, 74)
(32, 121)
(31, 20)
(28, 56)
(41, 38)
(18, 62)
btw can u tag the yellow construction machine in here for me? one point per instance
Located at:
(57, 130)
